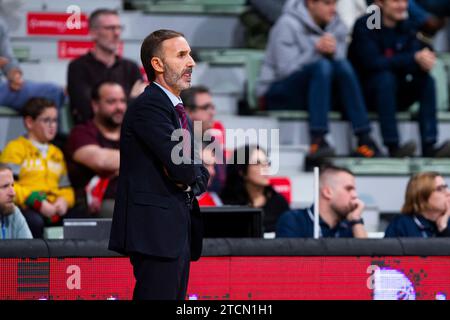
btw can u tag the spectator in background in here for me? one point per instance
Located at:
(13, 223)
(15, 91)
(200, 107)
(209, 198)
(247, 184)
(394, 68)
(100, 64)
(305, 59)
(426, 210)
(42, 186)
(93, 150)
(340, 209)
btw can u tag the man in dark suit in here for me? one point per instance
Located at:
(156, 218)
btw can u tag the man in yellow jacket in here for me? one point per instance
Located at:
(42, 185)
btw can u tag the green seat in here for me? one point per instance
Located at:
(379, 166)
(6, 111)
(427, 164)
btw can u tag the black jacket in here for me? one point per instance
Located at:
(152, 215)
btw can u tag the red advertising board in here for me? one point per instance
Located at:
(237, 278)
(68, 49)
(57, 23)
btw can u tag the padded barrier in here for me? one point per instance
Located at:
(38, 248)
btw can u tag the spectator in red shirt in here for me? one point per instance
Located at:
(93, 150)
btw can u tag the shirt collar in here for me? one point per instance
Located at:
(173, 98)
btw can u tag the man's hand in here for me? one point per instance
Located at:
(426, 59)
(201, 181)
(47, 209)
(15, 79)
(61, 206)
(326, 44)
(356, 211)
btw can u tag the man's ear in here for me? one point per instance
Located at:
(326, 192)
(157, 64)
(28, 122)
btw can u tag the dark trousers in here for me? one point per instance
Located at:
(313, 87)
(161, 278)
(388, 93)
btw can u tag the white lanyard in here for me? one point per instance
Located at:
(421, 227)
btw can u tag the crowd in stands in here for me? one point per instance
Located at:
(313, 62)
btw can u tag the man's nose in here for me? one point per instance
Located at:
(191, 62)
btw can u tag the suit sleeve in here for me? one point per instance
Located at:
(153, 126)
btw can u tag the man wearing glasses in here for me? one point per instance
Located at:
(100, 64)
(200, 108)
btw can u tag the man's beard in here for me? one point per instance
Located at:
(109, 122)
(342, 213)
(173, 79)
(6, 210)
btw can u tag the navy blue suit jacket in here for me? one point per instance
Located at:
(151, 214)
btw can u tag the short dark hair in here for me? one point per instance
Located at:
(188, 96)
(151, 47)
(328, 167)
(93, 18)
(95, 91)
(35, 106)
(4, 167)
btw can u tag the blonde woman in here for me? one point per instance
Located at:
(426, 210)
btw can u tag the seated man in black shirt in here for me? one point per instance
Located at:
(100, 64)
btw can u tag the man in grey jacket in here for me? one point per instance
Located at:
(12, 222)
(305, 63)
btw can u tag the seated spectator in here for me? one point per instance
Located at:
(394, 68)
(13, 223)
(426, 210)
(101, 64)
(42, 186)
(247, 184)
(209, 198)
(93, 150)
(340, 210)
(200, 107)
(305, 60)
(15, 91)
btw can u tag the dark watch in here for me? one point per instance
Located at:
(353, 222)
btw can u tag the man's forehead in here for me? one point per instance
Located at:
(5, 176)
(175, 45)
(107, 17)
